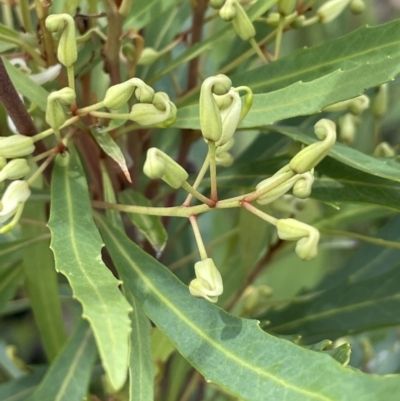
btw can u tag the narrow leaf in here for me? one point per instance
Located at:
(231, 352)
(141, 372)
(348, 308)
(302, 99)
(68, 377)
(150, 226)
(77, 245)
(107, 143)
(11, 278)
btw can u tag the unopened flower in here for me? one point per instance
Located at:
(380, 102)
(331, 9)
(311, 155)
(307, 237)
(208, 282)
(286, 7)
(159, 165)
(118, 95)
(355, 105)
(16, 146)
(222, 155)
(384, 150)
(160, 113)
(16, 193)
(347, 128)
(15, 169)
(148, 56)
(55, 114)
(357, 6)
(66, 53)
(210, 116)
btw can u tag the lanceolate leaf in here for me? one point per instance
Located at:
(231, 352)
(301, 99)
(348, 308)
(77, 245)
(10, 278)
(68, 377)
(360, 47)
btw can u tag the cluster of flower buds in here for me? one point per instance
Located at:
(349, 121)
(14, 147)
(231, 10)
(298, 175)
(208, 281)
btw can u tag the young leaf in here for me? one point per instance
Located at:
(68, 377)
(231, 352)
(150, 226)
(77, 245)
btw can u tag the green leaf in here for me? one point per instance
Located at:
(340, 353)
(11, 278)
(351, 157)
(365, 45)
(77, 245)
(68, 377)
(302, 99)
(25, 86)
(231, 352)
(21, 388)
(107, 143)
(150, 226)
(141, 372)
(349, 308)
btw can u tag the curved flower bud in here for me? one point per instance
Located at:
(307, 237)
(161, 113)
(17, 192)
(384, 150)
(310, 156)
(331, 9)
(230, 106)
(16, 146)
(15, 169)
(303, 185)
(55, 115)
(228, 10)
(286, 7)
(380, 103)
(355, 105)
(159, 165)
(217, 4)
(242, 23)
(280, 189)
(222, 156)
(148, 56)
(357, 6)
(210, 118)
(208, 281)
(66, 53)
(347, 128)
(118, 95)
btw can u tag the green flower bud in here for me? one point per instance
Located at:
(286, 7)
(331, 9)
(347, 128)
(273, 19)
(210, 117)
(66, 53)
(15, 169)
(16, 146)
(160, 165)
(230, 111)
(357, 6)
(3, 162)
(161, 113)
(208, 282)
(217, 4)
(303, 185)
(148, 56)
(222, 156)
(307, 237)
(228, 10)
(242, 23)
(359, 104)
(384, 150)
(17, 192)
(298, 22)
(310, 156)
(380, 103)
(118, 95)
(55, 115)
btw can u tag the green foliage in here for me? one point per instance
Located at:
(144, 252)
